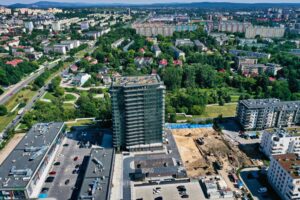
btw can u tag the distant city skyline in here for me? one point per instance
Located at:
(5, 2)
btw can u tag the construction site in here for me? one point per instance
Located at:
(204, 152)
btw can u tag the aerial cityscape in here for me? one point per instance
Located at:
(149, 100)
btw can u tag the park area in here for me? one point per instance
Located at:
(203, 151)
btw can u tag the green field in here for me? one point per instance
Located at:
(228, 110)
(70, 97)
(49, 96)
(213, 111)
(22, 96)
(5, 120)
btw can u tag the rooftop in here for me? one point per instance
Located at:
(290, 163)
(22, 163)
(276, 103)
(136, 80)
(97, 178)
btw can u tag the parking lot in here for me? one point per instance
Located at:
(169, 191)
(70, 163)
(250, 177)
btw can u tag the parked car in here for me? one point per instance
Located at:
(262, 190)
(66, 145)
(76, 158)
(52, 173)
(50, 179)
(45, 190)
(57, 163)
(67, 181)
(185, 196)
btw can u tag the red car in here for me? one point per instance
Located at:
(52, 173)
(76, 158)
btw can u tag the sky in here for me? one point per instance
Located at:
(7, 2)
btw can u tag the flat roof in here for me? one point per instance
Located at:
(290, 163)
(136, 80)
(20, 166)
(263, 103)
(97, 178)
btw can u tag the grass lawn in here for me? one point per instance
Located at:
(49, 96)
(5, 120)
(235, 98)
(228, 110)
(22, 96)
(70, 97)
(80, 123)
(68, 106)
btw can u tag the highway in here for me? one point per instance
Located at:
(39, 94)
(17, 87)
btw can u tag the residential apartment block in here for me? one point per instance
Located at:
(258, 114)
(279, 141)
(265, 32)
(138, 112)
(284, 175)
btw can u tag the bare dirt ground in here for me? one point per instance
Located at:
(200, 159)
(10, 146)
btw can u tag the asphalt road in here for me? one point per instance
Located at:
(40, 93)
(17, 87)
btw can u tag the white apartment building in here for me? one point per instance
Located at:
(284, 175)
(265, 32)
(85, 25)
(279, 141)
(56, 26)
(117, 43)
(70, 44)
(259, 114)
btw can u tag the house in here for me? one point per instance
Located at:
(14, 62)
(74, 68)
(178, 62)
(117, 43)
(163, 63)
(143, 61)
(156, 50)
(80, 79)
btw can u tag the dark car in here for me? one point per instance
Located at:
(57, 163)
(76, 158)
(77, 166)
(67, 181)
(45, 190)
(50, 179)
(66, 145)
(52, 173)
(158, 198)
(185, 196)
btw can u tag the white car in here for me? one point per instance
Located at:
(262, 190)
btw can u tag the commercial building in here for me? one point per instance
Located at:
(265, 32)
(215, 187)
(284, 175)
(97, 179)
(279, 141)
(258, 114)
(138, 111)
(25, 169)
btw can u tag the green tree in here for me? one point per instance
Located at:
(3, 110)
